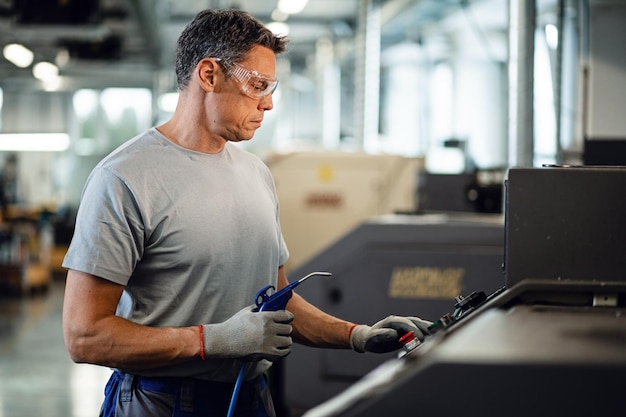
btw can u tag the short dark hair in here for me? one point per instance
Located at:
(225, 34)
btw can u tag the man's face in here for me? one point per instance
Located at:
(239, 113)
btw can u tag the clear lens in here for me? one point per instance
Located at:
(253, 84)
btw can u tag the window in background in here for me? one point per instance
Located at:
(439, 158)
(107, 118)
(449, 103)
(102, 120)
(403, 95)
(85, 104)
(545, 146)
(560, 56)
(127, 112)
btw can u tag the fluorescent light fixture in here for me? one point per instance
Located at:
(46, 142)
(45, 71)
(18, 54)
(291, 6)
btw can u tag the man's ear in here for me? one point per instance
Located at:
(207, 70)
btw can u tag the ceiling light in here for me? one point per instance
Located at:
(18, 54)
(50, 142)
(291, 6)
(45, 71)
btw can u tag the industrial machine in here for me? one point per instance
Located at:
(551, 342)
(538, 349)
(392, 264)
(566, 223)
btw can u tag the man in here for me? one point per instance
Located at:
(176, 232)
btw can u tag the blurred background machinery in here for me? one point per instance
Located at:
(324, 195)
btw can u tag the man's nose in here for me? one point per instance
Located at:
(266, 102)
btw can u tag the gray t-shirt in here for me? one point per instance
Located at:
(191, 236)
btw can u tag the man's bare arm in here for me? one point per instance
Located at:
(94, 334)
(312, 326)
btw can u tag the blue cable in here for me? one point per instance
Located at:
(265, 300)
(233, 399)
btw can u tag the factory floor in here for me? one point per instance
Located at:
(37, 377)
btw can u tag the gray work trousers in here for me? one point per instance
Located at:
(128, 395)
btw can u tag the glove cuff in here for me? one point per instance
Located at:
(358, 337)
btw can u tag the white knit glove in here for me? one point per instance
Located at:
(250, 335)
(384, 336)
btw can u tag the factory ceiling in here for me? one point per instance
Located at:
(125, 42)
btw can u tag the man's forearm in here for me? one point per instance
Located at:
(313, 327)
(118, 343)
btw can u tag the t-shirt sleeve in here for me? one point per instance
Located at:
(108, 236)
(283, 254)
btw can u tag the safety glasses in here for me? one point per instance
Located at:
(253, 84)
